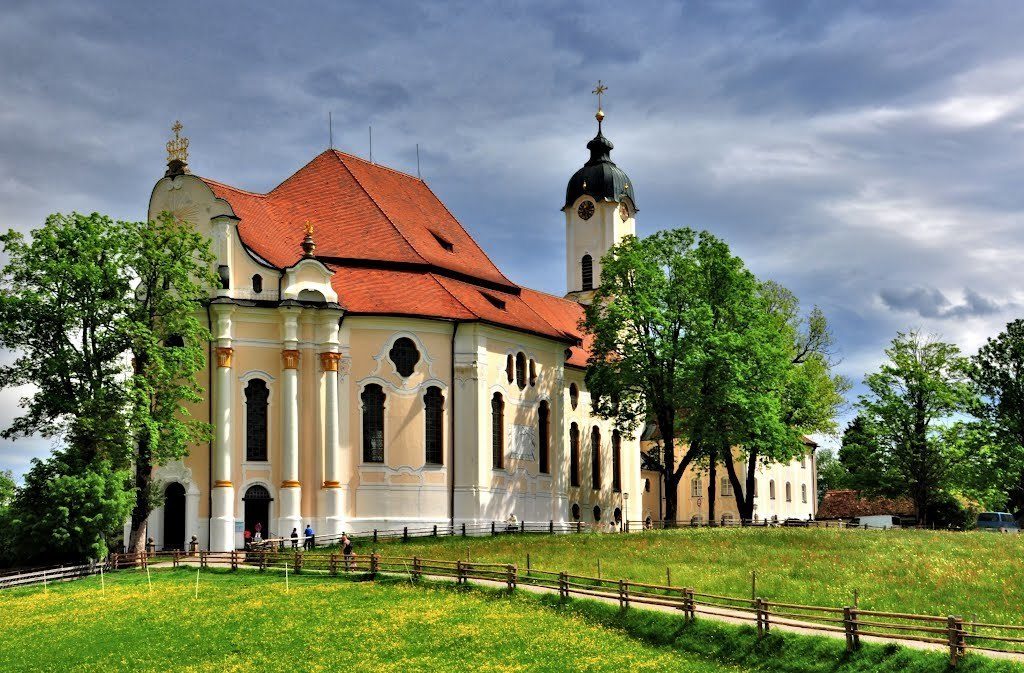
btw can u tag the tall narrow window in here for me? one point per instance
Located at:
(574, 395)
(543, 437)
(497, 432)
(803, 492)
(696, 488)
(789, 492)
(433, 401)
(533, 372)
(595, 458)
(574, 455)
(726, 487)
(771, 489)
(521, 370)
(256, 396)
(510, 367)
(373, 424)
(616, 461)
(587, 266)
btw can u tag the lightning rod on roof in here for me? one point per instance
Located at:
(371, 143)
(418, 162)
(330, 131)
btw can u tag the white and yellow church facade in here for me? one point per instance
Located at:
(371, 368)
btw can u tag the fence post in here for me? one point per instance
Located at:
(492, 528)
(463, 529)
(374, 564)
(435, 530)
(758, 606)
(623, 594)
(175, 558)
(263, 559)
(415, 575)
(527, 563)
(850, 626)
(374, 536)
(234, 560)
(460, 572)
(563, 585)
(405, 534)
(512, 572)
(298, 561)
(955, 628)
(332, 568)
(551, 526)
(688, 605)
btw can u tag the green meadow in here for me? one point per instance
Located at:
(941, 573)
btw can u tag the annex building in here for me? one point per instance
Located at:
(372, 368)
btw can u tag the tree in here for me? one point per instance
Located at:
(998, 373)
(866, 468)
(67, 508)
(679, 336)
(802, 391)
(171, 265)
(832, 475)
(63, 301)
(923, 383)
(7, 488)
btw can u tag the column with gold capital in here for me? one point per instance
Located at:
(222, 500)
(290, 515)
(333, 522)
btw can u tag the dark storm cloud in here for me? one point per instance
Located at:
(863, 154)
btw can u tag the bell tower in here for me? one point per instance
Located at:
(600, 209)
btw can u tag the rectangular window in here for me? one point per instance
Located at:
(433, 403)
(695, 488)
(543, 437)
(595, 458)
(574, 455)
(616, 461)
(726, 487)
(498, 432)
(373, 424)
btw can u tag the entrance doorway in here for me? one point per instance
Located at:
(257, 510)
(174, 517)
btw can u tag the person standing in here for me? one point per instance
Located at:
(295, 538)
(346, 549)
(309, 541)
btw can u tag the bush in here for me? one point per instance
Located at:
(953, 511)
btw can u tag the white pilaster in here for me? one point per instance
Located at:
(290, 512)
(329, 363)
(222, 512)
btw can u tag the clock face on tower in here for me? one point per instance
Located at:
(586, 210)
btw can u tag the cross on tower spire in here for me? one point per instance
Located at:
(599, 91)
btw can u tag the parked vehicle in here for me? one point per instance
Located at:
(883, 521)
(1002, 522)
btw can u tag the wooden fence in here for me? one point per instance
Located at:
(33, 576)
(953, 633)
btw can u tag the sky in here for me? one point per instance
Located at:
(869, 156)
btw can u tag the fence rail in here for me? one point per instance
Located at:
(34, 576)
(952, 632)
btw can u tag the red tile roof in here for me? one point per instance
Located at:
(394, 247)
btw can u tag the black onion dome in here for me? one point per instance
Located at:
(600, 178)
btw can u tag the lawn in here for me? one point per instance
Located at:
(246, 621)
(968, 574)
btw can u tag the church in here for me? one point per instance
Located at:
(371, 368)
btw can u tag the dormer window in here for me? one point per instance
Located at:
(444, 243)
(497, 303)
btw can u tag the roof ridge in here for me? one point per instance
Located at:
(458, 301)
(553, 296)
(376, 165)
(231, 187)
(378, 206)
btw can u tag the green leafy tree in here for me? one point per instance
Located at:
(832, 475)
(63, 301)
(171, 265)
(682, 337)
(998, 373)
(68, 508)
(860, 453)
(796, 381)
(923, 384)
(7, 488)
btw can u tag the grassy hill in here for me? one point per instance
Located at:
(246, 622)
(924, 572)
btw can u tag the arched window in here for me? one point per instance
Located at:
(789, 492)
(574, 455)
(543, 436)
(373, 424)
(510, 367)
(497, 432)
(575, 512)
(256, 396)
(597, 513)
(616, 461)
(533, 372)
(771, 489)
(595, 458)
(647, 485)
(257, 283)
(433, 402)
(587, 266)
(574, 395)
(617, 515)
(803, 492)
(521, 370)
(405, 356)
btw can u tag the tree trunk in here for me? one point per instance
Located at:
(712, 486)
(143, 505)
(744, 495)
